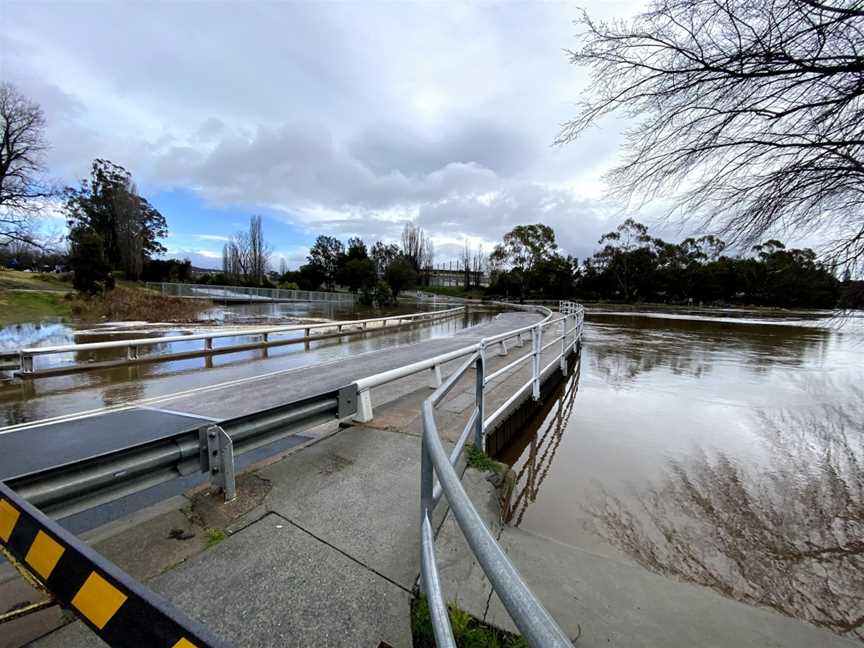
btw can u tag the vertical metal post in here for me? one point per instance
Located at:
(563, 361)
(479, 399)
(219, 449)
(427, 476)
(535, 361)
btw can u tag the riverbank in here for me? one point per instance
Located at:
(37, 297)
(18, 306)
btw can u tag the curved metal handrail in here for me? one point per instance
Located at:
(534, 622)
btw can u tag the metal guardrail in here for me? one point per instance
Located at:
(133, 347)
(115, 606)
(83, 484)
(248, 294)
(536, 625)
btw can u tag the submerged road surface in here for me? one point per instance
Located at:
(35, 446)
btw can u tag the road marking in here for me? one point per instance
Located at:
(184, 414)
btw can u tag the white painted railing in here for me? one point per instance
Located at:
(133, 347)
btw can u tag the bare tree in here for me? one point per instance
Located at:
(748, 112)
(259, 251)
(22, 145)
(246, 255)
(466, 264)
(417, 247)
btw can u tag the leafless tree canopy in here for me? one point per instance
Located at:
(748, 112)
(417, 247)
(246, 255)
(22, 144)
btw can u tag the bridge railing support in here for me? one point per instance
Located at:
(438, 478)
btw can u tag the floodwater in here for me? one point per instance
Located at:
(23, 401)
(723, 451)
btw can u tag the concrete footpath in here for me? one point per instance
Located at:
(321, 548)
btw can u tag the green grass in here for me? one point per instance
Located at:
(455, 291)
(468, 631)
(35, 280)
(478, 459)
(214, 537)
(18, 307)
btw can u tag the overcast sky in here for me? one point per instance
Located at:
(344, 119)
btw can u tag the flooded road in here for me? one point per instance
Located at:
(31, 400)
(726, 452)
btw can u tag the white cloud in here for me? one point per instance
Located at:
(346, 119)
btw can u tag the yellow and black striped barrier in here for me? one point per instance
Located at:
(116, 607)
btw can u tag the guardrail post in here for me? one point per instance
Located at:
(364, 406)
(219, 449)
(26, 363)
(535, 361)
(563, 361)
(208, 343)
(502, 348)
(132, 352)
(435, 381)
(479, 399)
(519, 341)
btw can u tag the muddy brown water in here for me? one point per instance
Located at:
(723, 451)
(31, 400)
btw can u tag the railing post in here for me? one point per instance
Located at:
(132, 352)
(26, 363)
(563, 361)
(435, 381)
(479, 399)
(535, 361)
(217, 448)
(364, 407)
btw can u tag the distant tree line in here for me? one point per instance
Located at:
(378, 273)
(633, 266)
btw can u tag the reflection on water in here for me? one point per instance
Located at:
(727, 455)
(531, 453)
(788, 534)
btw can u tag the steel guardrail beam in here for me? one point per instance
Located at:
(88, 482)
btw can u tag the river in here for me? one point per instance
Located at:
(724, 451)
